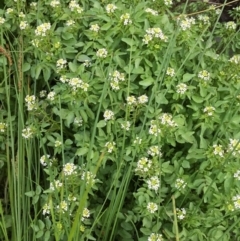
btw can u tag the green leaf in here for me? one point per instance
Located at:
(26, 66)
(128, 41)
(39, 234)
(101, 123)
(197, 99)
(82, 58)
(187, 77)
(106, 26)
(161, 99)
(147, 82)
(47, 235)
(84, 115)
(38, 189)
(46, 73)
(72, 66)
(185, 164)
(38, 71)
(35, 199)
(82, 151)
(30, 194)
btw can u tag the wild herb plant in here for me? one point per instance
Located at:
(119, 121)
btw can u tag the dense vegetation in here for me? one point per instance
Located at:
(119, 120)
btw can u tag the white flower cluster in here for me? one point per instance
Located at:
(54, 3)
(181, 213)
(71, 198)
(77, 83)
(204, 75)
(85, 214)
(231, 25)
(236, 201)
(234, 147)
(153, 183)
(55, 185)
(181, 88)
(42, 93)
(166, 120)
(108, 115)
(235, 59)
(155, 237)
(95, 28)
(152, 207)
(21, 15)
(154, 151)
(126, 125)
(154, 128)
(89, 177)
(51, 95)
(33, 4)
(44, 160)
(218, 150)
(168, 2)
(186, 23)
(62, 207)
(2, 20)
(125, 18)
(131, 100)
(70, 22)
(87, 63)
(61, 64)
(115, 78)
(42, 29)
(78, 121)
(153, 12)
(137, 141)
(170, 72)
(110, 146)
(23, 25)
(46, 209)
(27, 132)
(69, 169)
(110, 8)
(102, 53)
(204, 18)
(75, 7)
(237, 175)
(154, 33)
(35, 42)
(3, 127)
(180, 184)
(209, 110)
(9, 11)
(57, 143)
(31, 102)
(143, 166)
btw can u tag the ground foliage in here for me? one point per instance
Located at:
(119, 121)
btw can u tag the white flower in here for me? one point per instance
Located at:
(3, 127)
(108, 115)
(204, 75)
(153, 183)
(35, 42)
(85, 214)
(78, 121)
(102, 53)
(235, 59)
(137, 141)
(186, 23)
(75, 83)
(110, 146)
(237, 175)
(154, 33)
(61, 63)
(142, 99)
(57, 143)
(166, 119)
(9, 10)
(21, 15)
(69, 169)
(54, 3)
(87, 63)
(131, 100)
(31, 102)
(209, 110)
(155, 237)
(55, 185)
(70, 22)
(114, 85)
(143, 165)
(75, 7)
(110, 8)
(2, 20)
(231, 25)
(234, 147)
(181, 88)
(88, 177)
(62, 207)
(126, 125)
(51, 95)
(46, 209)
(43, 160)
(168, 2)
(152, 207)
(23, 25)
(125, 18)
(204, 18)
(180, 184)
(43, 93)
(27, 132)
(117, 76)
(181, 213)
(170, 72)
(154, 129)
(33, 4)
(42, 29)
(95, 28)
(218, 150)
(154, 151)
(153, 12)
(236, 201)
